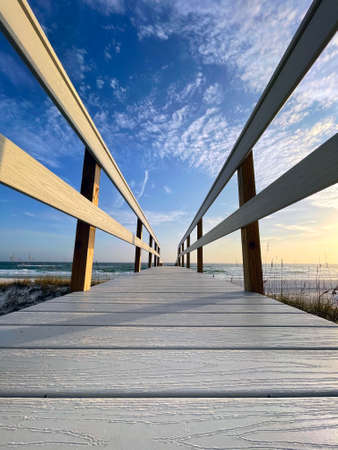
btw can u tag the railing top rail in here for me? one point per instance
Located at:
(21, 27)
(312, 174)
(308, 42)
(22, 172)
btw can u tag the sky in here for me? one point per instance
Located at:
(170, 85)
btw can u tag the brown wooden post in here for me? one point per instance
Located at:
(188, 254)
(138, 249)
(251, 248)
(155, 257)
(150, 256)
(182, 249)
(85, 234)
(200, 249)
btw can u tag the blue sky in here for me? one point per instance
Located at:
(169, 84)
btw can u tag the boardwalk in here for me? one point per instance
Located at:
(167, 358)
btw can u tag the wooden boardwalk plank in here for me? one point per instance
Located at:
(183, 373)
(180, 307)
(151, 318)
(167, 424)
(27, 336)
(167, 358)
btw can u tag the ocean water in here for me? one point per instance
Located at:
(290, 274)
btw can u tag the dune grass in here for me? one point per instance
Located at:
(43, 283)
(318, 306)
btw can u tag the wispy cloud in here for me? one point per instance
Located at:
(167, 189)
(128, 218)
(75, 63)
(119, 91)
(106, 7)
(99, 83)
(15, 71)
(144, 184)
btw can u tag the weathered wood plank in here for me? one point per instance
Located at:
(308, 42)
(167, 424)
(25, 174)
(185, 373)
(26, 336)
(154, 319)
(20, 25)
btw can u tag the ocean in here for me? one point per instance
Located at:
(277, 277)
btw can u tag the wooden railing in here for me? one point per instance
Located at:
(317, 171)
(23, 173)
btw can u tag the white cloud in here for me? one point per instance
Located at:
(328, 198)
(213, 95)
(119, 91)
(41, 135)
(144, 184)
(302, 228)
(128, 218)
(167, 189)
(75, 64)
(123, 120)
(106, 7)
(159, 218)
(99, 83)
(250, 38)
(29, 214)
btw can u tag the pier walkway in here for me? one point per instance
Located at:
(167, 358)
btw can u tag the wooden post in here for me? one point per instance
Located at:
(188, 254)
(155, 257)
(178, 257)
(251, 248)
(159, 258)
(150, 256)
(85, 234)
(182, 247)
(200, 249)
(138, 249)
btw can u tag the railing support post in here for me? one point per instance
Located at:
(159, 251)
(251, 248)
(178, 257)
(188, 254)
(85, 234)
(200, 249)
(182, 249)
(150, 256)
(138, 249)
(155, 257)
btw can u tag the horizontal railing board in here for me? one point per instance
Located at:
(125, 372)
(154, 319)
(169, 424)
(22, 172)
(26, 336)
(314, 173)
(20, 25)
(317, 28)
